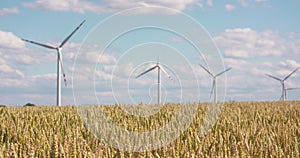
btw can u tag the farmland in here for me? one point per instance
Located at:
(242, 129)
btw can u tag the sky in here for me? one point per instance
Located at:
(253, 37)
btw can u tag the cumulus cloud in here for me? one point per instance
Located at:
(23, 88)
(209, 2)
(9, 40)
(289, 63)
(91, 57)
(229, 7)
(247, 3)
(5, 68)
(261, 0)
(253, 53)
(23, 59)
(7, 11)
(247, 43)
(106, 6)
(255, 85)
(64, 5)
(10, 77)
(2, 61)
(112, 6)
(244, 3)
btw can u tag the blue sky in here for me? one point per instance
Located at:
(254, 37)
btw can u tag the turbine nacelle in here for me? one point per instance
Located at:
(59, 49)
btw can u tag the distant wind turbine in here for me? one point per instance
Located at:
(289, 89)
(214, 83)
(59, 61)
(283, 93)
(159, 69)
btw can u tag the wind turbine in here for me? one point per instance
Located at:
(214, 83)
(159, 69)
(289, 89)
(283, 93)
(59, 61)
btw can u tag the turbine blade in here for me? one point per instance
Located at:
(212, 88)
(223, 71)
(163, 70)
(206, 70)
(62, 68)
(40, 44)
(290, 74)
(146, 71)
(276, 78)
(65, 41)
(292, 89)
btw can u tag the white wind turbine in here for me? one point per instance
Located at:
(289, 89)
(59, 61)
(283, 93)
(159, 69)
(214, 83)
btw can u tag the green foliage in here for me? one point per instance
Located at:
(29, 104)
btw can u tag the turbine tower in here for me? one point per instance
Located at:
(214, 83)
(159, 69)
(283, 93)
(60, 66)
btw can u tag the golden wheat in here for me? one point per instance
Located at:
(249, 129)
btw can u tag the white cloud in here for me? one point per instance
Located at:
(38, 89)
(102, 75)
(7, 11)
(107, 59)
(245, 43)
(23, 59)
(251, 54)
(177, 39)
(209, 2)
(247, 3)
(64, 5)
(289, 63)
(10, 77)
(106, 6)
(2, 61)
(92, 57)
(48, 76)
(9, 40)
(11, 83)
(175, 4)
(244, 3)
(5, 69)
(229, 7)
(9, 72)
(261, 1)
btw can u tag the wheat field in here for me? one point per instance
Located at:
(246, 129)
